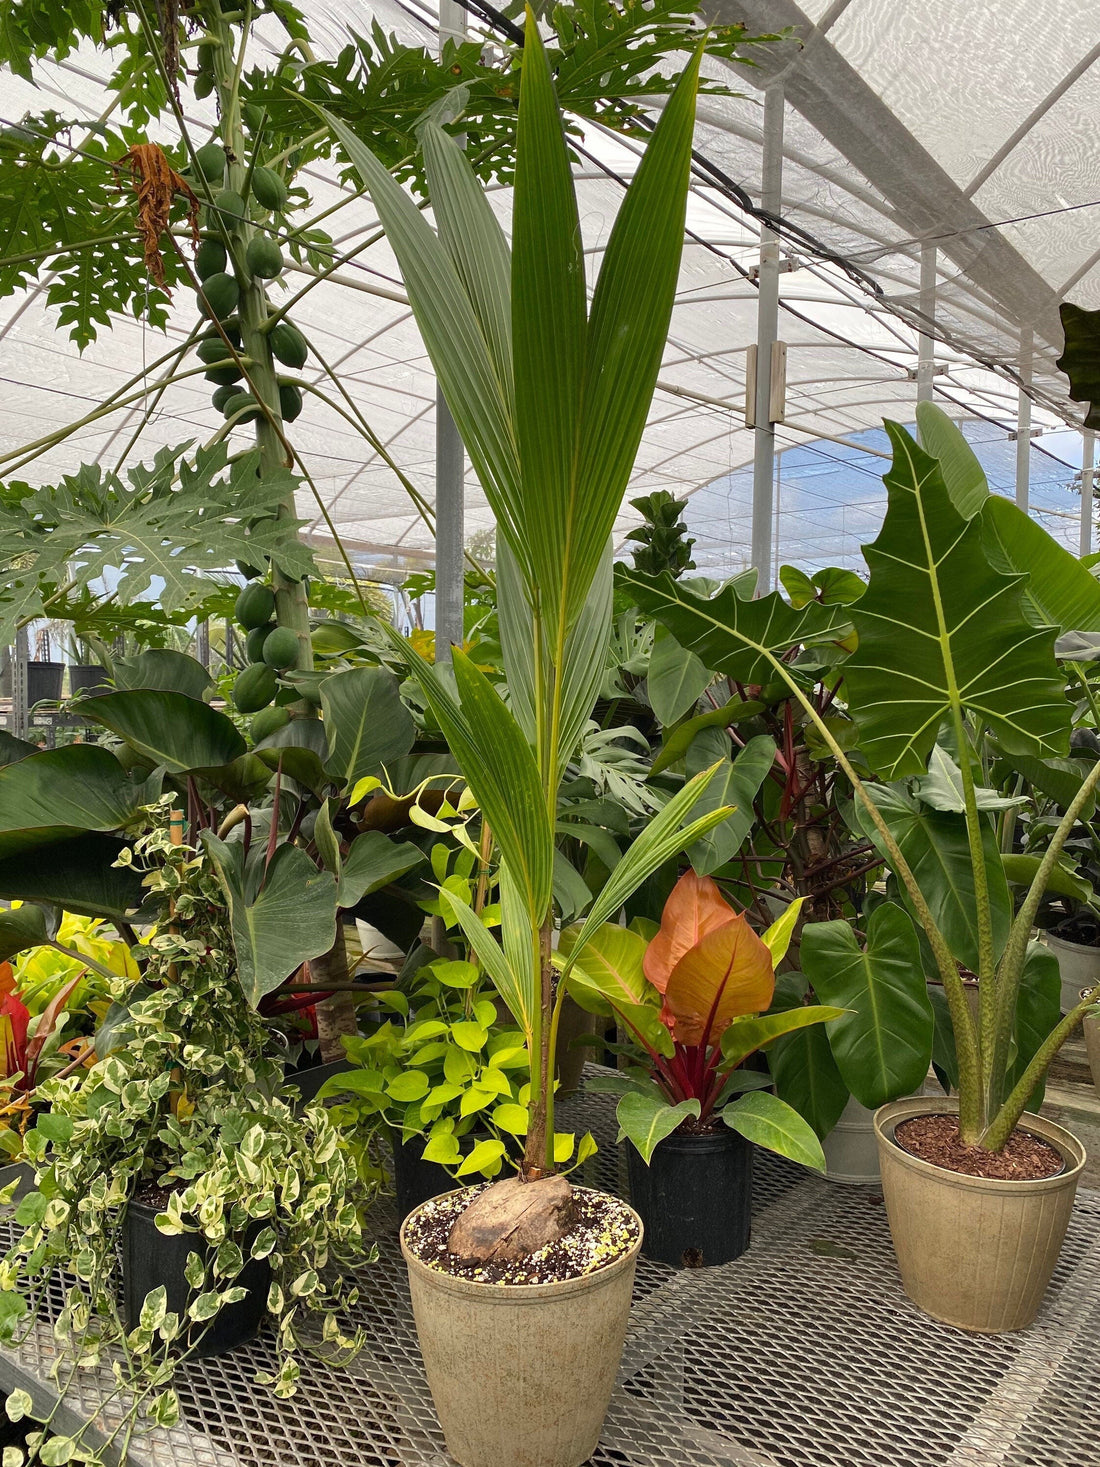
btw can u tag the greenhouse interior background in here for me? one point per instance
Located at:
(689, 1057)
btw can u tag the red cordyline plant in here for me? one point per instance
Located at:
(694, 1000)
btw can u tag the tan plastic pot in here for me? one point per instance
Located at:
(975, 1253)
(522, 1375)
(1091, 1031)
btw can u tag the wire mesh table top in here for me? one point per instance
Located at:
(802, 1353)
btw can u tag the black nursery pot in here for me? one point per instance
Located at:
(416, 1180)
(88, 678)
(44, 682)
(150, 1258)
(695, 1198)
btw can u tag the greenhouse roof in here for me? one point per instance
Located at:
(906, 126)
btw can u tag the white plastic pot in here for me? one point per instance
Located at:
(851, 1151)
(1078, 964)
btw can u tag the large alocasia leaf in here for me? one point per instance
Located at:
(279, 919)
(942, 632)
(60, 793)
(174, 731)
(742, 639)
(366, 721)
(882, 1044)
(934, 842)
(78, 874)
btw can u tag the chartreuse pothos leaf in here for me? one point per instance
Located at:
(942, 633)
(882, 1043)
(777, 939)
(646, 1119)
(280, 919)
(765, 1120)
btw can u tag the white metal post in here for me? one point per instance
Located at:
(1088, 472)
(925, 339)
(767, 324)
(450, 461)
(1023, 425)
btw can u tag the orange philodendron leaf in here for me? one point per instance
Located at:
(726, 974)
(695, 907)
(156, 184)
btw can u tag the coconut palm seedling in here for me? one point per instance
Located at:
(693, 1000)
(551, 399)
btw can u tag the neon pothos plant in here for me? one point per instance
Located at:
(956, 643)
(551, 400)
(693, 1000)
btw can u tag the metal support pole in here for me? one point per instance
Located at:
(925, 339)
(19, 710)
(1088, 473)
(450, 461)
(775, 531)
(767, 323)
(1023, 426)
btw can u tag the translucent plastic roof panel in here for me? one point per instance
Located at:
(968, 127)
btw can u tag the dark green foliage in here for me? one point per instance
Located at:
(211, 160)
(267, 722)
(230, 206)
(663, 543)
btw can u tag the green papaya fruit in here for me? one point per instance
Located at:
(204, 84)
(212, 349)
(269, 190)
(254, 642)
(252, 116)
(267, 722)
(223, 376)
(211, 160)
(255, 606)
(288, 345)
(222, 294)
(264, 258)
(281, 648)
(210, 258)
(290, 400)
(254, 688)
(245, 404)
(230, 206)
(222, 396)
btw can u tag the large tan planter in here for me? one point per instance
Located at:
(975, 1253)
(1091, 1031)
(522, 1375)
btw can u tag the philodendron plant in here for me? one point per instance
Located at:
(956, 632)
(551, 400)
(693, 999)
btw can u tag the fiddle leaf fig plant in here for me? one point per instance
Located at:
(952, 648)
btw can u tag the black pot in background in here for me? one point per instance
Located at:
(695, 1198)
(150, 1259)
(87, 678)
(416, 1180)
(44, 682)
